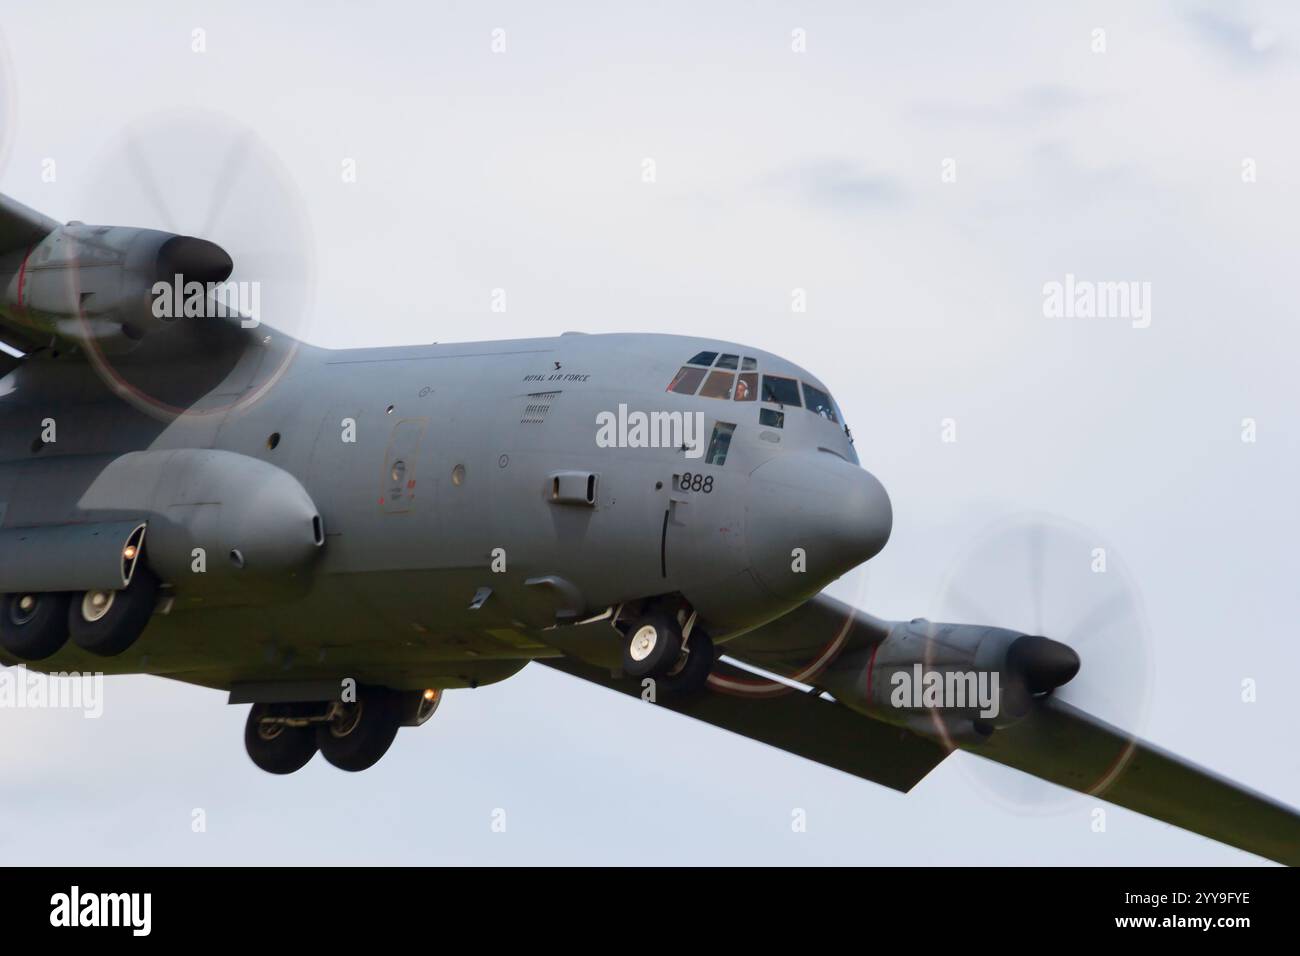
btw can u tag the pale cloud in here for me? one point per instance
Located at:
(840, 185)
(1250, 43)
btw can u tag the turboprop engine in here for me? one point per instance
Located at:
(954, 681)
(114, 285)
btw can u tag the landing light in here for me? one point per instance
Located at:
(431, 695)
(129, 552)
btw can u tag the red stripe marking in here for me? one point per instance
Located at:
(22, 280)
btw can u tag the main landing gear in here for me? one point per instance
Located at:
(105, 623)
(33, 626)
(351, 735)
(668, 647)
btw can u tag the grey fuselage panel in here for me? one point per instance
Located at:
(437, 472)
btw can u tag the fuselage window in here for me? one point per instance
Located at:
(747, 387)
(687, 380)
(703, 358)
(718, 385)
(815, 400)
(771, 418)
(729, 361)
(720, 443)
(784, 391)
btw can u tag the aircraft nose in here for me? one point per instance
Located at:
(811, 517)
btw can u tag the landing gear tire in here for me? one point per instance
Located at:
(107, 623)
(691, 674)
(277, 748)
(652, 647)
(357, 734)
(33, 626)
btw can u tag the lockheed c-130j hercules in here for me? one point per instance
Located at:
(338, 537)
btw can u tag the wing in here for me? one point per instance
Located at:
(9, 360)
(830, 646)
(1064, 745)
(801, 723)
(21, 227)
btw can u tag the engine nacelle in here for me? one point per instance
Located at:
(954, 681)
(114, 285)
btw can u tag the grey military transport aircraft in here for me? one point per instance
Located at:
(338, 537)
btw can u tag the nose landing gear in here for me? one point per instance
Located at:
(670, 649)
(653, 646)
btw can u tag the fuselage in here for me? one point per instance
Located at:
(475, 495)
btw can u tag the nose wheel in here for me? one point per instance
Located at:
(654, 644)
(690, 675)
(679, 659)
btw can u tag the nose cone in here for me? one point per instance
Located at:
(811, 517)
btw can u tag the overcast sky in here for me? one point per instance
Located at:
(1170, 157)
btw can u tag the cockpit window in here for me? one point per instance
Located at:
(747, 387)
(720, 443)
(815, 400)
(784, 391)
(687, 380)
(725, 384)
(718, 385)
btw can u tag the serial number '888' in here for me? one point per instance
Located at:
(695, 481)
